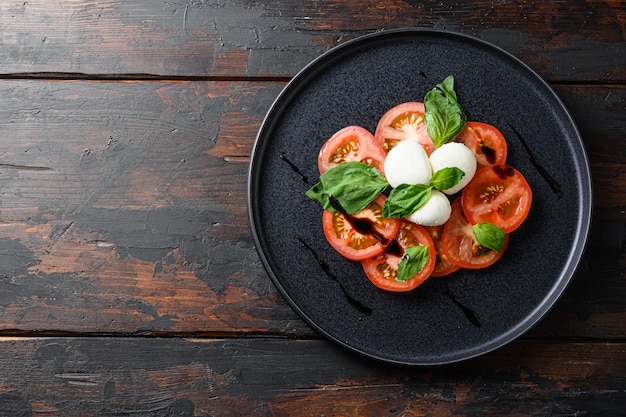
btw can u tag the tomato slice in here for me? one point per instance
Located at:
(497, 194)
(404, 121)
(486, 141)
(383, 269)
(443, 266)
(352, 143)
(361, 235)
(460, 246)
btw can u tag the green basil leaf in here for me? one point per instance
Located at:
(446, 178)
(317, 193)
(353, 184)
(489, 235)
(405, 199)
(412, 262)
(444, 116)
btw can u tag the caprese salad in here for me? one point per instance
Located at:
(426, 194)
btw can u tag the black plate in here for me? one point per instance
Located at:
(445, 319)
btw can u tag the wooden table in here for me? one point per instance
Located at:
(129, 282)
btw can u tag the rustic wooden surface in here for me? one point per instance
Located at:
(129, 283)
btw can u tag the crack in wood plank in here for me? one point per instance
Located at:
(26, 167)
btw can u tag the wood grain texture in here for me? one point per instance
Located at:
(575, 40)
(129, 283)
(123, 210)
(261, 377)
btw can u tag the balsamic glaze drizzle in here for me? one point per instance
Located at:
(351, 300)
(363, 226)
(469, 313)
(489, 153)
(556, 187)
(295, 168)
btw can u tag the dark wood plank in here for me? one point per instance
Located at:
(261, 377)
(123, 210)
(574, 40)
(598, 113)
(123, 220)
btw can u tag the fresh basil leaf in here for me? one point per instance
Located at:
(489, 235)
(446, 178)
(444, 116)
(406, 199)
(353, 184)
(317, 193)
(413, 260)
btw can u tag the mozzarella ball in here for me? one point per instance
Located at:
(454, 154)
(407, 163)
(435, 212)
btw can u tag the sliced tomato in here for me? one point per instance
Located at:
(497, 194)
(382, 270)
(486, 141)
(352, 143)
(443, 266)
(459, 244)
(361, 235)
(404, 121)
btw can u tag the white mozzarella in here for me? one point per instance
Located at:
(454, 154)
(435, 212)
(407, 163)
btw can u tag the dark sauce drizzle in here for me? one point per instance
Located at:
(363, 226)
(503, 171)
(394, 248)
(351, 300)
(469, 313)
(489, 153)
(556, 187)
(295, 168)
